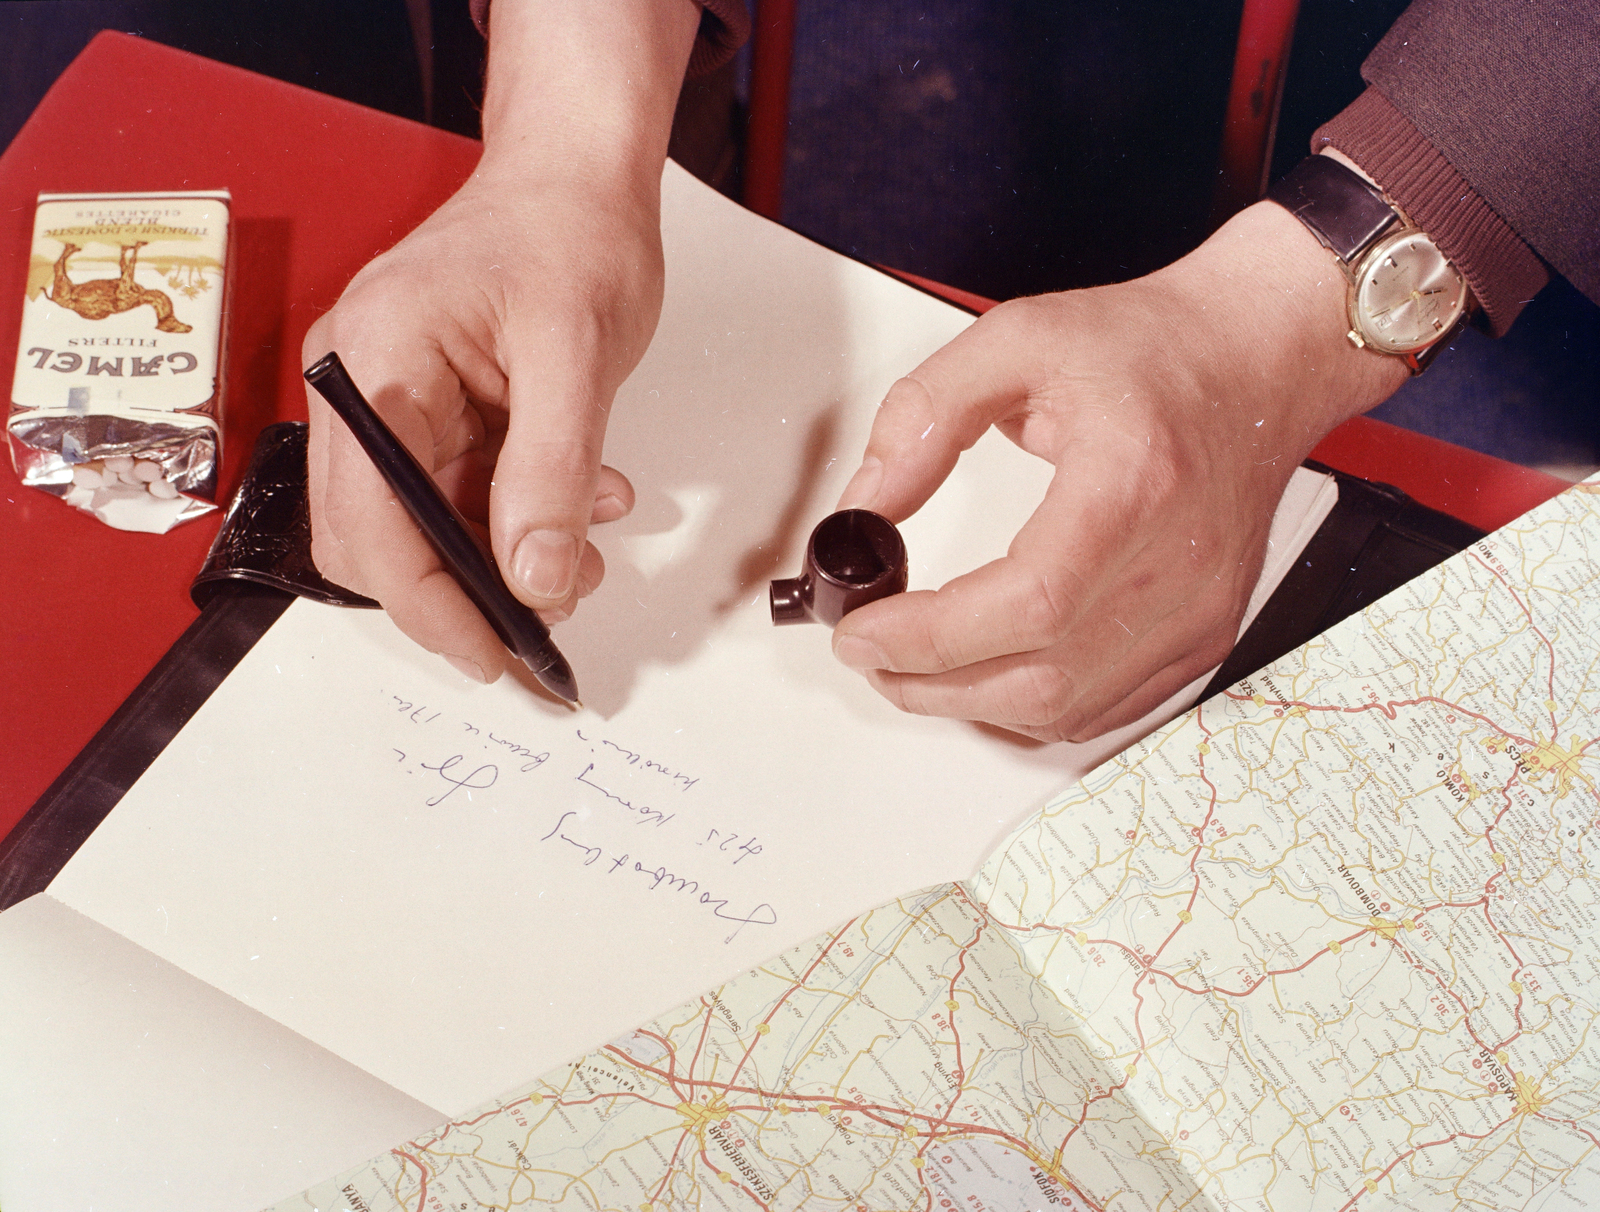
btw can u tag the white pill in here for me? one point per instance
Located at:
(119, 463)
(144, 471)
(86, 477)
(160, 488)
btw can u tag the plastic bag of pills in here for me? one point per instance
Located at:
(117, 398)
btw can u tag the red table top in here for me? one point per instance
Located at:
(319, 186)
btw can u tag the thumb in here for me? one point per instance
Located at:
(935, 413)
(543, 492)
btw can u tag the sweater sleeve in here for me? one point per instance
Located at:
(1502, 270)
(724, 26)
(1482, 120)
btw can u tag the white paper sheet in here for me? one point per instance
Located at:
(454, 887)
(126, 1084)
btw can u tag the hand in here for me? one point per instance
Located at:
(489, 353)
(493, 338)
(1174, 408)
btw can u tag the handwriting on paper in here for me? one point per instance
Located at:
(412, 711)
(481, 778)
(603, 762)
(683, 781)
(647, 814)
(655, 878)
(749, 849)
(598, 784)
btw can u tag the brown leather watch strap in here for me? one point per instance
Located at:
(1344, 211)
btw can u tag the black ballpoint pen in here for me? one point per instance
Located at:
(519, 628)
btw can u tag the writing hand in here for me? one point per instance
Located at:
(1174, 408)
(493, 338)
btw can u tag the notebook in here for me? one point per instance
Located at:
(357, 895)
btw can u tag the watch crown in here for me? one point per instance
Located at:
(1355, 339)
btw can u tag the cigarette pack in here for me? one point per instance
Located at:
(117, 398)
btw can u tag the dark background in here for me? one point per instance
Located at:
(1004, 146)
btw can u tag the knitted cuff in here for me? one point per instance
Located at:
(1503, 271)
(724, 26)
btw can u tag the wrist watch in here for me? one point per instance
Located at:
(1404, 298)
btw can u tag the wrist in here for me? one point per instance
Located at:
(1278, 335)
(584, 91)
(1333, 153)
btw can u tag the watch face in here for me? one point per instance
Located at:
(1406, 294)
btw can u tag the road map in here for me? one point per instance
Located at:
(1327, 942)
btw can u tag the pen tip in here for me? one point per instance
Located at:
(576, 704)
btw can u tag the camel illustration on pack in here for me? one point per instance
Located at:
(102, 297)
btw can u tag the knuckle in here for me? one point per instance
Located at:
(561, 460)
(906, 412)
(1048, 609)
(942, 653)
(1040, 694)
(938, 634)
(1165, 479)
(606, 314)
(907, 393)
(897, 689)
(1024, 311)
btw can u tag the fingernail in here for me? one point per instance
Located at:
(545, 563)
(863, 487)
(466, 668)
(857, 653)
(608, 508)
